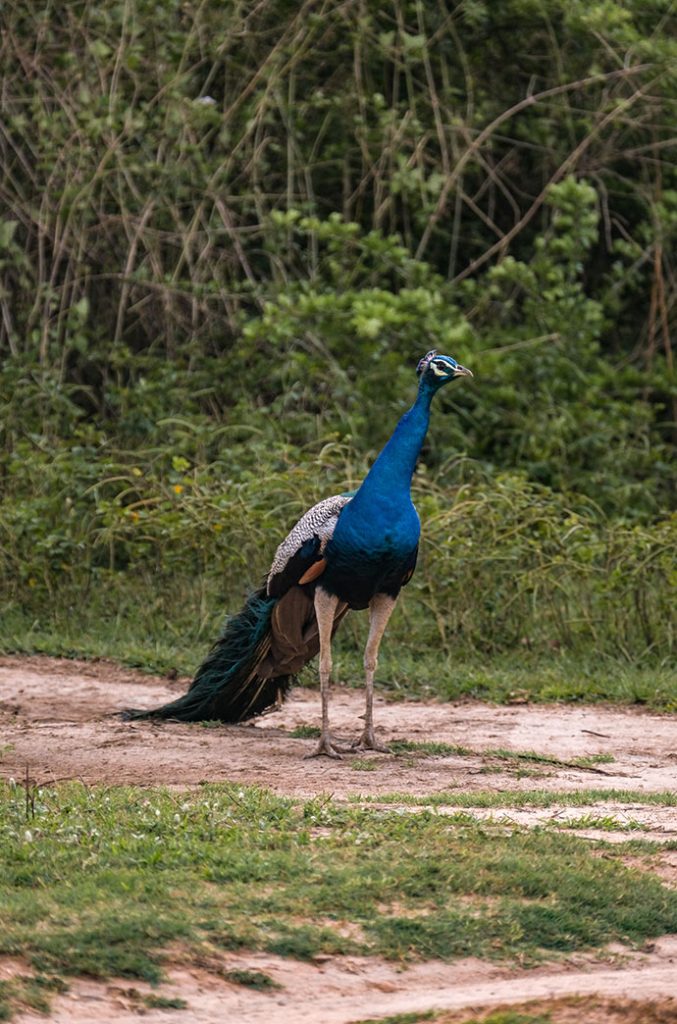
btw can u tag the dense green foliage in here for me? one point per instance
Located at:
(231, 230)
(101, 881)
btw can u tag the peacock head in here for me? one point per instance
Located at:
(435, 370)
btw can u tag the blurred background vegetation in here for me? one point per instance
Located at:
(228, 232)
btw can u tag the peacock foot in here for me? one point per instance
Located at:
(330, 746)
(368, 741)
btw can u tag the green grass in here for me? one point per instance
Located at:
(101, 881)
(438, 749)
(365, 764)
(433, 749)
(305, 732)
(525, 798)
(258, 980)
(32, 991)
(164, 1003)
(601, 822)
(429, 749)
(142, 624)
(533, 756)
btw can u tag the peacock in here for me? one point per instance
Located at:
(350, 551)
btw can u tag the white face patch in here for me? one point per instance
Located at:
(441, 369)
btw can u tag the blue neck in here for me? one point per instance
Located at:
(392, 472)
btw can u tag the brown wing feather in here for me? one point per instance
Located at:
(294, 637)
(316, 569)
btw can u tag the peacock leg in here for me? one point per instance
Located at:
(380, 609)
(326, 606)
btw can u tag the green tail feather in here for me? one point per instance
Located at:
(226, 687)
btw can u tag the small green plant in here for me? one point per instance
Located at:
(603, 822)
(589, 760)
(428, 748)
(365, 764)
(305, 732)
(164, 1003)
(29, 990)
(258, 980)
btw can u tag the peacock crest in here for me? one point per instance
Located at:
(425, 362)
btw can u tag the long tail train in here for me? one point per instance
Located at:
(227, 686)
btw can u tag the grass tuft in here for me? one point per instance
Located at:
(258, 980)
(429, 748)
(600, 822)
(305, 732)
(365, 764)
(165, 1003)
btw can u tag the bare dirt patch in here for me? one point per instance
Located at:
(58, 717)
(57, 722)
(663, 865)
(340, 990)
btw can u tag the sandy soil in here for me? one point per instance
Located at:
(57, 717)
(339, 990)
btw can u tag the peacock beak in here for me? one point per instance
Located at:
(462, 371)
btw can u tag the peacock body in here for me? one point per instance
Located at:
(347, 552)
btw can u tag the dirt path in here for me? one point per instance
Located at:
(58, 718)
(56, 721)
(345, 989)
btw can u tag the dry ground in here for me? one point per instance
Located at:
(57, 718)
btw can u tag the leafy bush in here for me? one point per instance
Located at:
(230, 234)
(505, 562)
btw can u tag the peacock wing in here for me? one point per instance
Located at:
(299, 557)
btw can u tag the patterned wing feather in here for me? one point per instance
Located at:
(299, 556)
